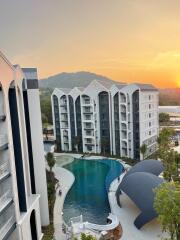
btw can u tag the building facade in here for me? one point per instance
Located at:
(23, 189)
(106, 118)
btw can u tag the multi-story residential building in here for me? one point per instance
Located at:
(106, 118)
(23, 189)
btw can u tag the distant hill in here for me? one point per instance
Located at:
(70, 80)
(169, 97)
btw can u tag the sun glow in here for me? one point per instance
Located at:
(178, 81)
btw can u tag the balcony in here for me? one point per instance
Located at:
(64, 126)
(87, 110)
(63, 104)
(122, 98)
(3, 142)
(5, 201)
(64, 111)
(123, 117)
(89, 142)
(65, 140)
(88, 119)
(8, 228)
(64, 119)
(65, 134)
(4, 171)
(86, 102)
(123, 127)
(124, 145)
(88, 128)
(89, 135)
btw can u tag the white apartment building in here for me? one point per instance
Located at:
(106, 118)
(23, 187)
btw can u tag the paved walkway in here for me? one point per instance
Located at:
(66, 180)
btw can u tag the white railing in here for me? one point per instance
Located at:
(78, 226)
(3, 140)
(3, 169)
(75, 220)
(6, 227)
(114, 223)
(5, 197)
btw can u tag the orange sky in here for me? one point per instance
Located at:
(129, 41)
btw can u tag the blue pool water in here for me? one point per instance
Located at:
(88, 195)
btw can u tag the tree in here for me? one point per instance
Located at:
(50, 160)
(46, 110)
(77, 142)
(170, 168)
(164, 139)
(164, 117)
(87, 237)
(143, 150)
(167, 205)
(51, 197)
(104, 145)
(168, 156)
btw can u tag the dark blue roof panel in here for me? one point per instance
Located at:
(150, 166)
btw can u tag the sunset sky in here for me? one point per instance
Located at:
(126, 40)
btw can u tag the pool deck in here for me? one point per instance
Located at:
(126, 214)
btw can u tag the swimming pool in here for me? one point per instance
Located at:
(89, 193)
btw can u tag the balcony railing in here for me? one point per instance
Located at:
(64, 126)
(4, 170)
(3, 140)
(65, 140)
(89, 143)
(88, 128)
(4, 200)
(64, 120)
(7, 226)
(64, 111)
(63, 104)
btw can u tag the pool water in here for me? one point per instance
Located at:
(88, 195)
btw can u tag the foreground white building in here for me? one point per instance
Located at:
(106, 118)
(23, 189)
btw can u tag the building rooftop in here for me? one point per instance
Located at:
(30, 73)
(65, 90)
(146, 87)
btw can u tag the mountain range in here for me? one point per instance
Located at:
(168, 96)
(70, 80)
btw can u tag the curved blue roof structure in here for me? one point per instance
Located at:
(150, 166)
(139, 183)
(139, 187)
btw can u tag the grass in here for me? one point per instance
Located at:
(48, 232)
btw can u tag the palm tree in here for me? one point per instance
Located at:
(50, 160)
(143, 150)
